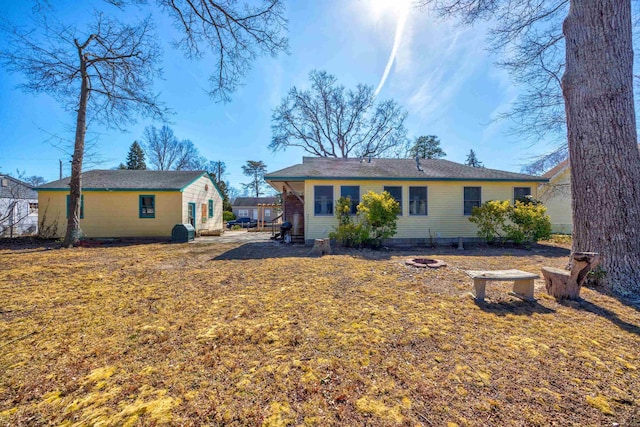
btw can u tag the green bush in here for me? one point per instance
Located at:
(376, 220)
(348, 233)
(525, 222)
(379, 215)
(228, 216)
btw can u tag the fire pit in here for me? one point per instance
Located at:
(425, 262)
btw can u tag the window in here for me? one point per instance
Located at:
(210, 208)
(243, 212)
(323, 200)
(33, 208)
(267, 213)
(147, 206)
(520, 193)
(203, 212)
(472, 197)
(353, 193)
(81, 206)
(396, 193)
(417, 200)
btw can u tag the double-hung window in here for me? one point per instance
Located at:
(418, 201)
(323, 200)
(353, 193)
(472, 197)
(396, 193)
(147, 205)
(520, 193)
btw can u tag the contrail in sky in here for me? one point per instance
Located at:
(403, 13)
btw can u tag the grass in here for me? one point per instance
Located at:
(164, 334)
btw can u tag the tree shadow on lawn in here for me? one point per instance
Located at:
(18, 247)
(264, 250)
(520, 308)
(582, 304)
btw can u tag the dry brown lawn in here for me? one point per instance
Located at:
(161, 334)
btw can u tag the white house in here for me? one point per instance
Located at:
(18, 208)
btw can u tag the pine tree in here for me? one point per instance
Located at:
(472, 160)
(427, 147)
(135, 158)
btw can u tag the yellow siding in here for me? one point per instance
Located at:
(556, 196)
(115, 213)
(445, 217)
(196, 193)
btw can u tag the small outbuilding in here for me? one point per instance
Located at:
(134, 203)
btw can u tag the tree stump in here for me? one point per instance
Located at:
(321, 247)
(563, 284)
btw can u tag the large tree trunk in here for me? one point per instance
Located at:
(601, 127)
(74, 232)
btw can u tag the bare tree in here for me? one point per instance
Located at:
(330, 121)
(597, 89)
(189, 157)
(161, 147)
(105, 74)
(256, 170)
(232, 33)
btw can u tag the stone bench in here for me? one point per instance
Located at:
(522, 282)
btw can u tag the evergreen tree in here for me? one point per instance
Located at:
(135, 158)
(427, 147)
(472, 160)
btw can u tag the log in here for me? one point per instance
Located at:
(563, 284)
(321, 247)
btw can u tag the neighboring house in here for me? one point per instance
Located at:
(134, 203)
(556, 196)
(251, 206)
(18, 208)
(436, 196)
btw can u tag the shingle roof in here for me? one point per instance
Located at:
(556, 169)
(129, 180)
(254, 201)
(15, 189)
(431, 169)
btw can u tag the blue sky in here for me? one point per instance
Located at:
(440, 73)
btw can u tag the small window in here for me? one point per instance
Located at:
(396, 193)
(81, 206)
(323, 200)
(203, 212)
(33, 208)
(147, 206)
(353, 193)
(472, 197)
(243, 212)
(417, 200)
(210, 208)
(520, 193)
(267, 213)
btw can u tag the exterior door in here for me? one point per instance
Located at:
(192, 214)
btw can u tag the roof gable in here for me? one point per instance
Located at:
(393, 169)
(15, 189)
(124, 179)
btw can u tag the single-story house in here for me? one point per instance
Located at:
(18, 207)
(556, 196)
(436, 196)
(252, 206)
(134, 203)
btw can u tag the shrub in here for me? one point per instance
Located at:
(379, 214)
(525, 222)
(490, 219)
(228, 216)
(376, 220)
(348, 233)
